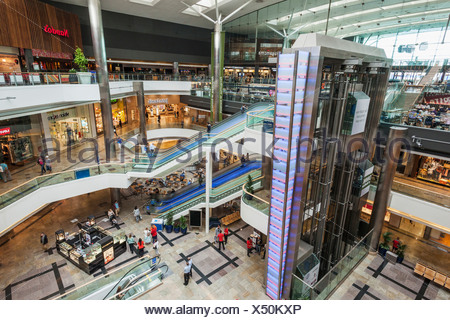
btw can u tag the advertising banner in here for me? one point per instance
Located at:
(442, 99)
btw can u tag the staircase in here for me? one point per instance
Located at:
(428, 78)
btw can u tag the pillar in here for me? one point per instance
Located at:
(217, 85)
(208, 186)
(98, 42)
(380, 203)
(115, 194)
(29, 59)
(176, 71)
(47, 141)
(139, 89)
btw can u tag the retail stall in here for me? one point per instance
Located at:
(91, 247)
(434, 170)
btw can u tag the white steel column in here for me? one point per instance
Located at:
(208, 187)
(48, 145)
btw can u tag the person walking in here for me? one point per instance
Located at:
(137, 214)
(44, 241)
(5, 173)
(120, 123)
(249, 246)
(190, 266)
(152, 149)
(208, 128)
(41, 162)
(156, 247)
(131, 243)
(154, 233)
(141, 247)
(116, 207)
(242, 161)
(226, 232)
(187, 271)
(221, 236)
(147, 236)
(48, 164)
(159, 119)
(395, 244)
(216, 233)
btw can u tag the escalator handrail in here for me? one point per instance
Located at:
(128, 273)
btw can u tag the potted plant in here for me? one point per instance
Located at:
(401, 253)
(176, 227)
(73, 76)
(183, 224)
(169, 223)
(249, 188)
(384, 246)
(81, 61)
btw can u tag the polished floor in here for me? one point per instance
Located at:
(377, 279)
(29, 272)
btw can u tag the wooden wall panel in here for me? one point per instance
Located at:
(22, 25)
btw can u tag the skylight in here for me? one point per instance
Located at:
(204, 6)
(146, 2)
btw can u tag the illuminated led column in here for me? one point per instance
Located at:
(291, 84)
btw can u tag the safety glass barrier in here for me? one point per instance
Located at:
(90, 77)
(103, 286)
(139, 288)
(18, 193)
(333, 278)
(254, 199)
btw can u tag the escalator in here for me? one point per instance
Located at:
(193, 149)
(126, 283)
(224, 184)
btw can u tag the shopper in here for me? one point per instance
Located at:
(41, 162)
(154, 233)
(48, 164)
(131, 243)
(247, 157)
(117, 207)
(220, 237)
(159, 119)
(44, 241)
(242, 161)
(152, 149)
(249, 246)
(226, 233)
(395, 244)
(137, 214)
(216, 233)
(147, 236)
(120, 123)
(141, 247)
(263, 250)
(243, 109)
(156, 247)
(190, 266)
(208, 128)
(119, 142)
(187, 271)
(5, 173)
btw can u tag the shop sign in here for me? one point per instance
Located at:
(154, 101)
(62, 33)
(60, 115)
(5, 131)
(442, 99)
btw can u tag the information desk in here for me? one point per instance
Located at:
(103, 248)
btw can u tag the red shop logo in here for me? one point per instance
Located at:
(4, 131)
(62, 33)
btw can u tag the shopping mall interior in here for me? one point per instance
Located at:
(281, 149)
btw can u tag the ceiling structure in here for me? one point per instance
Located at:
(344, 18)
(175, 11)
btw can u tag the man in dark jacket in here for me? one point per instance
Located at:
(44, 241)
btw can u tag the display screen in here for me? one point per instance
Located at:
(108, 255)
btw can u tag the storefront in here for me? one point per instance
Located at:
(167, 105)
(124, 111)
(69, 126)
(434, 170)
(20, 139)
(45, 41)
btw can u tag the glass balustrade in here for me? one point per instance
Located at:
(255, 199)
(330, 281)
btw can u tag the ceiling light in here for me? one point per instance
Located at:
(4, 60)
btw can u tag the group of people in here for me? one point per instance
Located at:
(259, 247)
(45, 163)
(437, 117)
(150, 237)
(221, 237)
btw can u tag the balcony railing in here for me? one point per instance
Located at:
(49, 78)
(253, 200)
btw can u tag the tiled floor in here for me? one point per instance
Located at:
(377, 279)
(27, 272)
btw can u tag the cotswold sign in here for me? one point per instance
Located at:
(62, 33)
